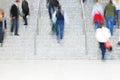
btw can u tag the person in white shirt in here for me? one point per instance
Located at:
(102, 36)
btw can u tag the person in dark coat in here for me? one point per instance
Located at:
(14, 14)
(52, 5)
(2, 26)
(25, 10)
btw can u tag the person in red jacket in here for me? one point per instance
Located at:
(97, 14)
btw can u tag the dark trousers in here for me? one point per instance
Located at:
(103, 50)
(51, 9)
(1, 37)
(25, 18)
(14, 25)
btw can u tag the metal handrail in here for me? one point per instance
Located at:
(85, 26)
(37, 28)
(38, 18)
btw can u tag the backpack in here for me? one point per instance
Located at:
(60, 16)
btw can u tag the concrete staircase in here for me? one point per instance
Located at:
(75, 45)
(20, 47)
(92, 46)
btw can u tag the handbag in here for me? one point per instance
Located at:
(107, 45)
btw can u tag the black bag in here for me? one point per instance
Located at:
(53, 27)
(110, 49)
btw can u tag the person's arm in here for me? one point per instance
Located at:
(28, 9)
(11, 11)
(105, 12)
(5, 26)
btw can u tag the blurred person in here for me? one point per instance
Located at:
(56, 4)
(97, 14)
(102, 36)
(117, 5)
(14, 14)
(3, 26)
(52, 6)
(60, 20)
(109, 14)
(25, 10)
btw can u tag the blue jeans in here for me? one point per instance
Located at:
(97, 25)
(118, 14)
(118, 18)
(14, 25)
(110, 23)
(103, 50)
(59, 30)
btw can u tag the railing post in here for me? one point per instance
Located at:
(84, 27)
(37, 28)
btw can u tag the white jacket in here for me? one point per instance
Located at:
(102, 34)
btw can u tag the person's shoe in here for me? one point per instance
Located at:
(118, 43)
(16, 34)
(25, 24)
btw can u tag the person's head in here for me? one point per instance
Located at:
(17, 1)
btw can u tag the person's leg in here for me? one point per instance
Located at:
(25, 18)
(103, 50)
(58, 32)
(118, 18)
(107, 22)
(16, 26)
(12, 24)
(62, 30)
(111, 24)
(49, 10)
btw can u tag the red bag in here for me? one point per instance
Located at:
(107, 45)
